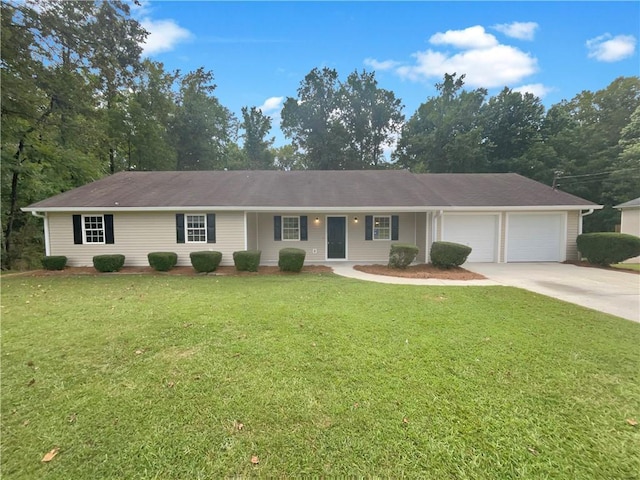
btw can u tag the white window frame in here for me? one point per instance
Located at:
(187, 228)
(282, 235)
(373, 228)
(86, 239)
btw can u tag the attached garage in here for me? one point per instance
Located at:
(536, 237)
(479, 231)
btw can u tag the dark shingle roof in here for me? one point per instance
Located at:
(306, 189)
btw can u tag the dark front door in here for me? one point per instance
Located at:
(336, 237)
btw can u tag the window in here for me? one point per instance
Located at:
(290, 228)
(196, 228)
(93, 229)
(382, 228)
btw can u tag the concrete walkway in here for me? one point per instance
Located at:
(613, 292)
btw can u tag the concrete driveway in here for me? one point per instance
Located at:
(617, 293)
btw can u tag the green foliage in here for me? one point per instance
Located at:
(54, 262)
(257, 148)
(402, 254)
(291, 259)
(449, 254)
(108, 263)
(205, 261)
(247, 260)
(341, 126)
(606, 248)
(162, 261)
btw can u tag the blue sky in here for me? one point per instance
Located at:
(259, 52)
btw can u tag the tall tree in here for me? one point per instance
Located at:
(446, 133)
(257, 145)
(310, 120)
(371, 118)
(202, 127)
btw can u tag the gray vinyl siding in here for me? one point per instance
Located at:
(139, 233)
(361, 250)
(252, 231)
(270, 248)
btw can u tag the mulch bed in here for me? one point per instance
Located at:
(421, 271)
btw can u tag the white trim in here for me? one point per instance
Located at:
(373, 228)
(367, 209)
(186, 228)
(282, 228)
(47, 241)
(246, 233)
(84, 230)
(346, 239)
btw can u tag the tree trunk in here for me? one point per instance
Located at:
(13, 204)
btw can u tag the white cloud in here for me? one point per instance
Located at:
(163, 36)
(472, 37)
(519, 30)
(272, 105)
(606, 48)
(483, 60)
(377, 65)
(537, 89)
(497, 66)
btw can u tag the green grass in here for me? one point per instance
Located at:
(627, 266)
(150, 377)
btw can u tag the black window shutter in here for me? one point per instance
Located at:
(108, 229)
(277, 228)
(180, 227)
(395, 227)
(77, 229)
(368, 227)
(211, 228)
(303, 227)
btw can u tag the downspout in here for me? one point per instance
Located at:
(582, 215)
(47, 247)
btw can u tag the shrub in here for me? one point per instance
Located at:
(162, 261)
(247, 260)
(108, 263)
(449, 254)
(206, 261)
(54, 262)
(291, 259)
(402, 254)
(606, 248)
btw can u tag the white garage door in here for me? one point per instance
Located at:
(535, 237)
(480, 232)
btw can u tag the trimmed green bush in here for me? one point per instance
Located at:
(108, 263)
(206, 261)
(291, 259)
(247, 260)
(54, 262)
(449, 254)
(402, 254)
(606, 248)
(162, 261)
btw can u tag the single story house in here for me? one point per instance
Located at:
(332, 215)
(630, 221)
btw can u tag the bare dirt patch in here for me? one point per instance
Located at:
(421, 271)
(184, 271)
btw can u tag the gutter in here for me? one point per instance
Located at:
(582, 215)
(47, 246)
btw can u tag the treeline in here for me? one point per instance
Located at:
(79, 102)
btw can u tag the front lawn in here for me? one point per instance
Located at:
(311, 376)
(627, 266)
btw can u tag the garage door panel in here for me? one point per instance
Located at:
(480, 232)
(535, 237)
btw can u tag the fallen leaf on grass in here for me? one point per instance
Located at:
(139, 352)
(405, 420)
(31, 382)
(25, 423)
(170, 384)
(632, 421)
(255, 460)
(50, 455)
(532, 450)
(72, 417)
(238, 425)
